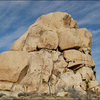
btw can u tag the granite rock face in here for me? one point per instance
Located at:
(53, 56)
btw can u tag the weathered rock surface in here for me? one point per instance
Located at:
(68, 38)
(5, 86)
(18, 45)
(77, 58)
(86, 37)
(12, 64)
(52, 57)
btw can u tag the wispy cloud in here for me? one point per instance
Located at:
(7, 40)
(95, 32)
(95, 44)
(91, 14)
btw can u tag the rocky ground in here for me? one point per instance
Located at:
(48, 98)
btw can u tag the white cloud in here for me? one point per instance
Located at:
(95, 32)
(90, 12)
(91, 18)
(88, 8)
(95, 44)
(10, 12)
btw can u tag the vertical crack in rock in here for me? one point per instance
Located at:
(50, 79)
(41, 75)
(23, 73)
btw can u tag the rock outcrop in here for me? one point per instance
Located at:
(53, 56)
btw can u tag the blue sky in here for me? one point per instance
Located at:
(17, 16)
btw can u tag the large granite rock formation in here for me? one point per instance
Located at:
(53, 56)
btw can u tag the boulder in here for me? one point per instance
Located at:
(52, 57)
(76, 58)
(31, 44)
(71, 79)
(86, 73)
(19, 44)
(86, 37)
(40, 69)
(42, 39)
(57, 20)
(12, 64)
(48, 40)
(93, 84)
(68, 38)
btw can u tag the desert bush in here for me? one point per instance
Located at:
(2, 94)
(74, 93)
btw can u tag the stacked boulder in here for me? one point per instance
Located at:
(53, 56)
